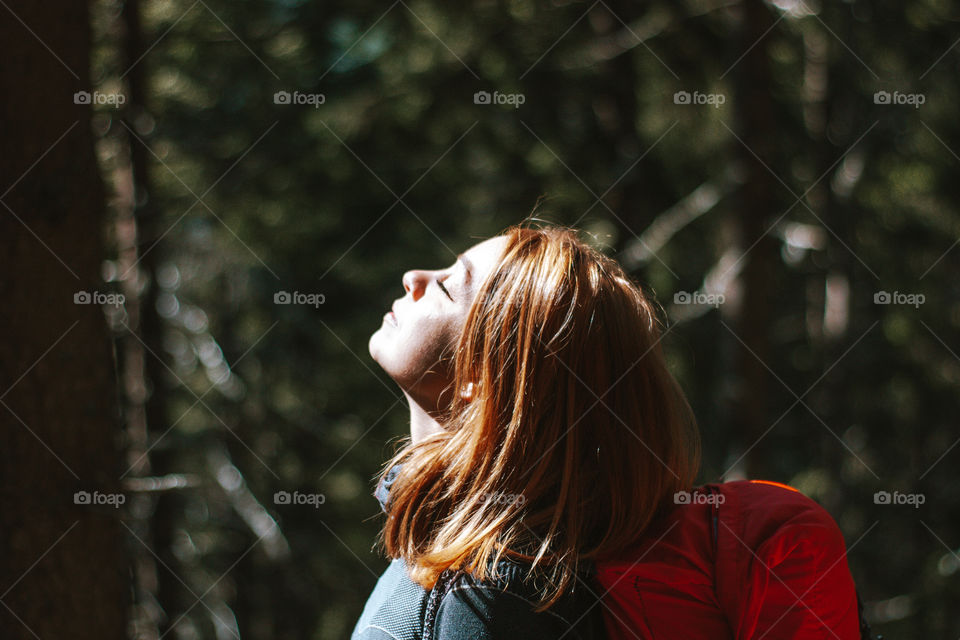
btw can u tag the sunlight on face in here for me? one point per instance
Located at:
(426, 323)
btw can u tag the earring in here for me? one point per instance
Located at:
(467, 392)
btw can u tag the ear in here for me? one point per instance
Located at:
(466, 392)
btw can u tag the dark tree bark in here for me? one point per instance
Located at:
(63, 571)
(143, 347)
(615, 104)
(758, 200)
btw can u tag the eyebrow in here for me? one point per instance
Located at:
(467, 267)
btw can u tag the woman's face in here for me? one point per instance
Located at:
(426, 323)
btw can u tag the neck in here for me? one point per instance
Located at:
(422, 422)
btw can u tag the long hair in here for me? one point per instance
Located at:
(576, 435)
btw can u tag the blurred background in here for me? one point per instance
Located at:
(243, 184)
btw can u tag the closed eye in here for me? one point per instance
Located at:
(444, 289)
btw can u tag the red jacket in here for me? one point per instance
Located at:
(739, 561)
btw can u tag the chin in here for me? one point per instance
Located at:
(374, 346)
(381, 350)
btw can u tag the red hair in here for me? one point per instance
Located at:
(576, 436)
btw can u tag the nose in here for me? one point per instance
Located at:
(415, 283)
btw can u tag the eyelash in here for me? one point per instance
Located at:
(444, 289)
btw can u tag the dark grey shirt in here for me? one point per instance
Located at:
(461, 608)
(464, 608)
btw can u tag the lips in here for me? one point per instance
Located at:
(391, 316)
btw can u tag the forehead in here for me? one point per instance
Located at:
(482, 257)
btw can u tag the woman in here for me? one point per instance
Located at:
(546, 434)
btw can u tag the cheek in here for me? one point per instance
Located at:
(419, 346)
(407, 351)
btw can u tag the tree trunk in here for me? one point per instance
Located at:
(757, 129)
(64, 570)
(143, 348)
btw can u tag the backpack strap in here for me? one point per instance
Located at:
(714, 513)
